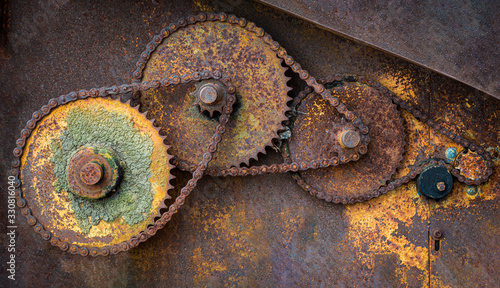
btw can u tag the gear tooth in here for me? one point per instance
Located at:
(247, 161)
(135, 104)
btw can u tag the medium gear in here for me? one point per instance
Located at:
(236, 48)
(95, 174)
(320, 131)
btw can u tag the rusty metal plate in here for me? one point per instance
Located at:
(262, 230)
(457, 39)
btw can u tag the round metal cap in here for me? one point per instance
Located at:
(434, 182)
(350, 139)
(91, 173)
(209, 94)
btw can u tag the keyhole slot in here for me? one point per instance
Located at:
(436, 245)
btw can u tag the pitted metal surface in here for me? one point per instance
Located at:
(340, 155)
(225, 232)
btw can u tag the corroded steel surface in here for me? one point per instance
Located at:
(45, 203)
(458, 39)
(262, 230)
(231, 46)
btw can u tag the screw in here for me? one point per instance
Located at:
(350, 139)
(210, 94)
(91, 173)
(441, 186)
(471, 190)
(451, 154)
(437, 234)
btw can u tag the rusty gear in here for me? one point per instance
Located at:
(99, 180)
(229, 45)
(349, 136)
(41, 188)
(471, 166)
(319, 130)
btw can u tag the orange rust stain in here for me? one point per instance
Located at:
(236, 229)
(374, 229)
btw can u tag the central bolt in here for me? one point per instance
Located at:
(350, 139)
(441, 186)
(91, 173)
(209, 94)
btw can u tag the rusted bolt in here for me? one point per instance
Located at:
(434, 181)
(350, 139)
(441, 186)
(437, 234)
(451, 154)
(210, 94)
(91, 173)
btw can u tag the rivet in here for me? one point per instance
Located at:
(451, 154)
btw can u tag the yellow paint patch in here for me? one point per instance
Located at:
(374, 229)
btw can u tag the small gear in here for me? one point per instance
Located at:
(94, 173)
(320, 131)
(239, 50)
(471, 165)
(210, 95)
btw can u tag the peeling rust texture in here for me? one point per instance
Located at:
(260, 82)
(458, 39)
(264, 230)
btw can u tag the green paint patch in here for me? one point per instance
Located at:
(133, 197)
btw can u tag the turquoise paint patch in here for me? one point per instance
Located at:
(451, 154)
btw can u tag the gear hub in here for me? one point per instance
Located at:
(93, 172)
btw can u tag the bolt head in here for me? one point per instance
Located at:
(437, 234)
(451, 154)
(209, 94)
(350, 139)
(441, 186)
(91, 173)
